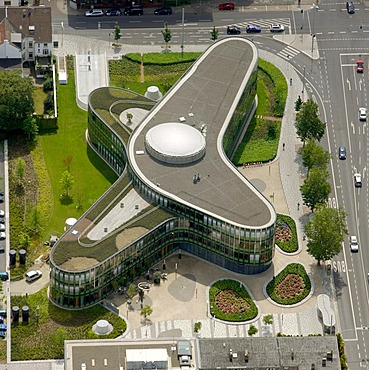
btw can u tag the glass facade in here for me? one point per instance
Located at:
(242, 249)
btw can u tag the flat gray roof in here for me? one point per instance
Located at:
(206, 95)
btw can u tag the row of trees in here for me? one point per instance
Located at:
(327, 227)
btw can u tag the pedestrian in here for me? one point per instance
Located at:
(283, 146)
(290, 81)
(298, 206)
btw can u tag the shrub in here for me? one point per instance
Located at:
(279, 86)
(252, 330)
(49, 103)
(230, 301)
(197, 327)
(290, 286)
(287, 245)
(268, 319)
(48, 84)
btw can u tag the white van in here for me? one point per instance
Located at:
(33, 275)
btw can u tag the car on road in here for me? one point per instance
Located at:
(342, 152)
(233, 30)
(113, 12)
(252, 28)
(354, 246)
(362, 114)
(137, 10)
(94, 13)
(33, 275)
(350, 7)
(360, 66)
(276, 28)
(226, 6)
(165, 10)
(357, 180)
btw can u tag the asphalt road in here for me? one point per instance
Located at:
(332, 82)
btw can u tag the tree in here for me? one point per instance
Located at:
(67, 161)
(20, 170)
(252, 330)
(298, 104)
(146, 311)
(314, 155)
(325, 232)
(36, 220)
(167, 34)
(66, 182)
(16, 100)
(197, 326)
(132, 290)
(129, 117)
(117, 34)
(24, 240)
(30, 127)
(316, 189)
(214, 34)
(308, 125)
(49, 103)
(268, 319)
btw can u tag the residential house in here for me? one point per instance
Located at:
(26, 38)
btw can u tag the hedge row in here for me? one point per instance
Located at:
(291, 245)
(157, 58)
(292, 268)
(238, 289)
(279, 86)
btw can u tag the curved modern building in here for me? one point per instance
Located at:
(181, 191)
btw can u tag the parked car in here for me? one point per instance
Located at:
(113, 12)
(233, 30)
(94, 13)
(2, 235)
(4, 276)
(165, 10)
(2, 213)
(360, 66)
(342, 152)
(33, 275)
(276, 28)
(357, 180)
(354, 246)
(350, 7)
(2, 198)
(2, 227)
(226, 6)
(252, 28)
(137, 10)
(362, 114)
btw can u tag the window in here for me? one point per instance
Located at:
(30, 44)
(7, 3)
(45, 45)
(46, 52)
(30, 55)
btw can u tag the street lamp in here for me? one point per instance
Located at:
(314, 8)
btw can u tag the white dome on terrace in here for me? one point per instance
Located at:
(175, 143)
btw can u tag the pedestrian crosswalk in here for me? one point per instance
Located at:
(288, 53)
(264, 23)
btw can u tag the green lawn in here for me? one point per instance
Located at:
(39, 97)
(92, 176)
(43, 337)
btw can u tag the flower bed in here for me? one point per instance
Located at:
(230, 301)
(286, 234)
(290, 286)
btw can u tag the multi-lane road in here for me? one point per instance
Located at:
(331, 80)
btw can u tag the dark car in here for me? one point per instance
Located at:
(165, 10)
(350, 7)
(233, 30)
(226, 6)
(113, 12)
(133, 11)
(251, 28)
(342, 152)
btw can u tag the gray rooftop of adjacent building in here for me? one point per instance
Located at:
(206, 97)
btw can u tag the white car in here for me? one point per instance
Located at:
(354, 246)
(33, 275)
(2, 227)
(276, 28)
(362, 114)
(2, 213)
(357, 180)
(2, 235)
(94, 13)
